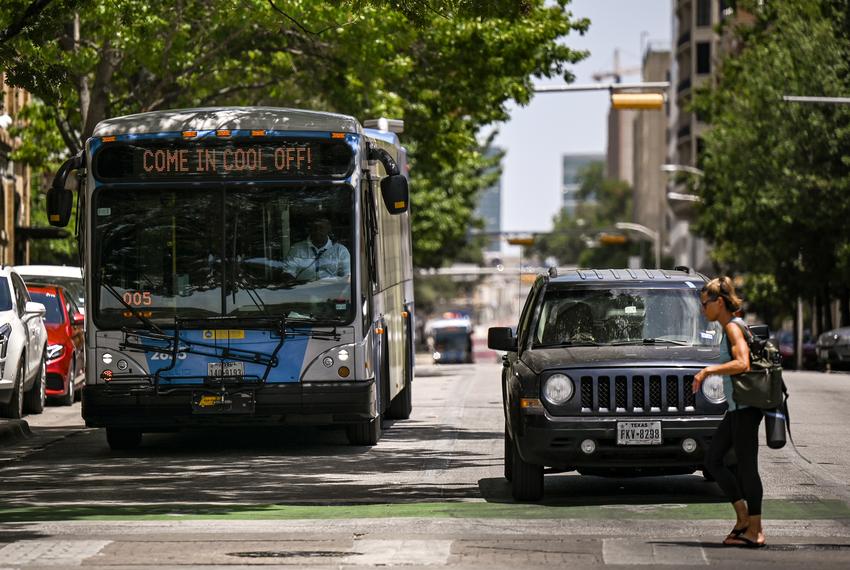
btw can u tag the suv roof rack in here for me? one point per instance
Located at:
(684, 268)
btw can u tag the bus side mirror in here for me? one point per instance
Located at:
(60, 198)
(395, 193)
(501, 338)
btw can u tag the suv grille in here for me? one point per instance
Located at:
(659, 391)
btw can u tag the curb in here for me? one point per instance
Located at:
(13, 430)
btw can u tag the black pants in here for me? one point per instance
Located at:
(738, 431)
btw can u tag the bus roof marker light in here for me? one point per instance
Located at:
(190, 134)
(222, 133)
(337, 135)
(259, 133)
(108, 139)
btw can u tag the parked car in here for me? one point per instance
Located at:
(598, 377)
(66, 345)
(67, 276)
(784, 341)
(834, 347)
(23, 348)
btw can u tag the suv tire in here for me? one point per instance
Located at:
(34, 400)
(14, 409)
(509, 455)
(527, 479)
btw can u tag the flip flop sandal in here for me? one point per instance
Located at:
(746, 543)
(736, 532)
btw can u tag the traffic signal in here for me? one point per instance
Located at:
(645, 101)
(612, 239)
(521, 240)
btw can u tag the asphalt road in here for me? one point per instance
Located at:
(430, 493)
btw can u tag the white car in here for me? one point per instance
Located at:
(23, 342)
(68, 276)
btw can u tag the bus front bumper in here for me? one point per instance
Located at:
(313, 403)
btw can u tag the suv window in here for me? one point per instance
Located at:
(620, 315)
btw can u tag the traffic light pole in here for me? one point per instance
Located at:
(648, 85)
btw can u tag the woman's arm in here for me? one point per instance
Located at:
(740, 357)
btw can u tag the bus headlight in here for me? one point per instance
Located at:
(558, 388)
(712, 389)
(336, 363)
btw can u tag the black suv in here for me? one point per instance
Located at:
(598, 377)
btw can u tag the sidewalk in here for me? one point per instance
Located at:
(13, 430)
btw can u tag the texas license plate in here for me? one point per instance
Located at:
(638, 433)
(225, 369)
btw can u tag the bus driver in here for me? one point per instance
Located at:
(317, 257)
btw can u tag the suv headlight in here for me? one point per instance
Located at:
(712, 389)
(558, 388)
(54, 351)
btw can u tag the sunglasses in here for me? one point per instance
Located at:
(704, 303)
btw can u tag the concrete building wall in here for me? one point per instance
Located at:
(620, 151)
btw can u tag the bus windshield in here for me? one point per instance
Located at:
(223, 250)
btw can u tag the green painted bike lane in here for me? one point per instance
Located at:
(774, 509)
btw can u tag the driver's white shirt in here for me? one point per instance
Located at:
(307, 262)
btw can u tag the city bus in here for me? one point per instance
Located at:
(243, 266)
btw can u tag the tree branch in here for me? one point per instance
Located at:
(302, 27)
(32, 12)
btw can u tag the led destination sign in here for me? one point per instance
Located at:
(233, 159)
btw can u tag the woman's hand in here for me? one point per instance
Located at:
(698, 378)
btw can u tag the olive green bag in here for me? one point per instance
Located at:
(761, 386)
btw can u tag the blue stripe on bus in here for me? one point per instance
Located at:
(290, 357)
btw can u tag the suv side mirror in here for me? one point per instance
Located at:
(761, 332)
(77, 319)
(501, 338)
(33, 308)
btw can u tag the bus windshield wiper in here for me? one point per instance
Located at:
(145, 321)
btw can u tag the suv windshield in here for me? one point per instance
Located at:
(223, 251)
(618, 315)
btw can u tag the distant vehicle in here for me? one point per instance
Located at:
(784, 341)
(23, 340)
(66, 343)
(67, 276)
(834, 347)
(451, 340)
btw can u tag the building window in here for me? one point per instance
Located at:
(703, 57)
(703, 12)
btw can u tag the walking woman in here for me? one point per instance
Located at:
(739, 428)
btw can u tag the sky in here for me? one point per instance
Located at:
(554, 124)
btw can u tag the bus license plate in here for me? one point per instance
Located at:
(638, 433)
(220, 369)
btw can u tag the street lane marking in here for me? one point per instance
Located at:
(630, 552)
(399, 552)
(51, 552)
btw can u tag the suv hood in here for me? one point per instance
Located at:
(540, 359)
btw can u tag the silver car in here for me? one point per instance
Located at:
(23, 338)
(834, 347)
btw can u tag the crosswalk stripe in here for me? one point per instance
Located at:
(627, 552)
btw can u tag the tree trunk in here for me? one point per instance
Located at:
(845, 306)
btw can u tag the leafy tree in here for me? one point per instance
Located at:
(776, 192)
(447, 68)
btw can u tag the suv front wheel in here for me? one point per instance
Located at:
(36, 395)
(526, 480)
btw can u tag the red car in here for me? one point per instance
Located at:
(66, 356)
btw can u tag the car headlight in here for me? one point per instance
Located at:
(54, 351)
(558, 388)
(5, 333)
(712, 389)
